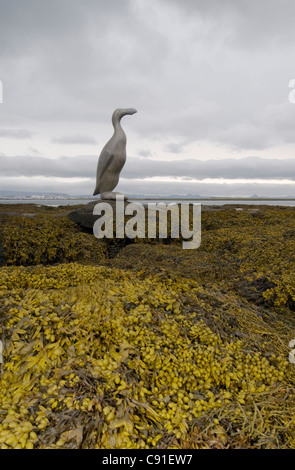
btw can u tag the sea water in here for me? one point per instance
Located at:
(215, 202)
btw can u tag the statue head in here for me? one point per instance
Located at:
(120, 112)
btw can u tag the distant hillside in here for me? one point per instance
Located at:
(5, 193)
(28, 194)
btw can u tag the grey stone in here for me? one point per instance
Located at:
(84, 216)
(112, 158)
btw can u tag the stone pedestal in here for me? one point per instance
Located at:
(84, 217)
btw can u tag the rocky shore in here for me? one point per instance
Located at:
(141, 343)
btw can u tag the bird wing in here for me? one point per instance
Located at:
(105, 159)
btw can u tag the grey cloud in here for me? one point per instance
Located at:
(144, 153)
(75, 139)
(196, 71)
(47, 185)
(84, 166)
(82, 59)
(246, 168)
(52, 21)
(174, 147)
(206, 189)
(16, 133)
(151, 188)
(248, 24)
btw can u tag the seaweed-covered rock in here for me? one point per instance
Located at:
(108, 358)
(45, 240)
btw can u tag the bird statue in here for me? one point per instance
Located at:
(112, 158)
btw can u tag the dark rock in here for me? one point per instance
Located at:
(2, 255)
(84, 216)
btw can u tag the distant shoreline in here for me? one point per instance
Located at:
(205, 202)
(215, 199)
(157, 198)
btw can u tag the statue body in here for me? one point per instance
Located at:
(112, 158)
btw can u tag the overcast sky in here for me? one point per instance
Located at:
(209, 79)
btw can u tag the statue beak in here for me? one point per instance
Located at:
(130, 111)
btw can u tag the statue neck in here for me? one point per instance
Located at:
(118, 128)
